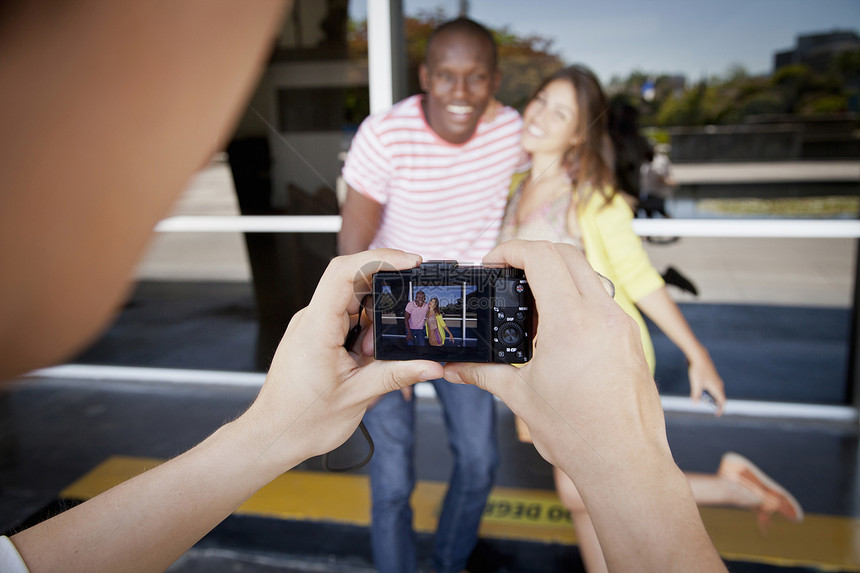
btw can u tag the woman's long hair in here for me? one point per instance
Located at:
(430, 306)
(590, 162)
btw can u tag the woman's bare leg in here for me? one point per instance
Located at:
(740, 483)
(711, 489)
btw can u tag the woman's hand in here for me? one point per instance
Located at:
(661, 309)
(705, 378)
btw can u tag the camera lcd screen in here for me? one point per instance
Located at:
(431, 320)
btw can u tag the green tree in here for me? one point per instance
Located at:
(685, 109)
(738, 96)
(524, 62)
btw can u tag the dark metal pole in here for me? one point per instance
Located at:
(399, 83)
(852, 384)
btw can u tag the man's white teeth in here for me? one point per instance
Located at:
(459, 109)
(535, 131)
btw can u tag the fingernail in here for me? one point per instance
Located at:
(426, 375)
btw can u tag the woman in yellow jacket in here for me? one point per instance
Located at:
(569, 196)
(434, 325)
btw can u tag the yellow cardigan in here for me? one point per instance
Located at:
(440, 324)
(616, 252)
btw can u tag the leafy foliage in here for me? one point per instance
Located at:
(737, 96)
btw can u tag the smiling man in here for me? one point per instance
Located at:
(431, 176)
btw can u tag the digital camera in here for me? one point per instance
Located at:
(450, 313)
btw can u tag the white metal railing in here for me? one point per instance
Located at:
(761, 228)
(766, 172)
(250, 224)
(783, 228)
(254, 380)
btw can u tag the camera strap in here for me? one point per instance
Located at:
(351, 338)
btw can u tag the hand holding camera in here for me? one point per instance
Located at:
(588, 377)
(318, 388)
(592, 408)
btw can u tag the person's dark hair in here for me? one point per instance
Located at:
(466, 26)
(649, 154)
(591, 161)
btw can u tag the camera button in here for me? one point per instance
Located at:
(500, 315)
(520, 315)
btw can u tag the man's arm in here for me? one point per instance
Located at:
(361, 218)
(407, 317)
(313, 398)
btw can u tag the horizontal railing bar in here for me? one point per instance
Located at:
(250, 224)
(98, 372)
(755, 228)
(766, 172)
(180, 376)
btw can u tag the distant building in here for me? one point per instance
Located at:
(817, 50)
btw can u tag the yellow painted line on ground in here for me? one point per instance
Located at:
(531, 514)
(313, 496)
(111, 472)
(821, 541)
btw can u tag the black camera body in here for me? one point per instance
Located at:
(487, 314)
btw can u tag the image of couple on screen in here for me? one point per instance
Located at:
(424, 322)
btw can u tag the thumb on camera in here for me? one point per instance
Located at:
(382, 377)
(498, 379)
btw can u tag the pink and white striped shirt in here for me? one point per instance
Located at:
(417, 314)
(440, 200)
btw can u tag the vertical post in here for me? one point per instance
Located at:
(379, 54)
(852, 384)
(463, 314)
(399, 65)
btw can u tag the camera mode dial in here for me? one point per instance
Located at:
(511, 334)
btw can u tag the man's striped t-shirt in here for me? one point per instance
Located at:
(440, 200)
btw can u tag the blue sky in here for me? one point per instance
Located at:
(693, 37)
